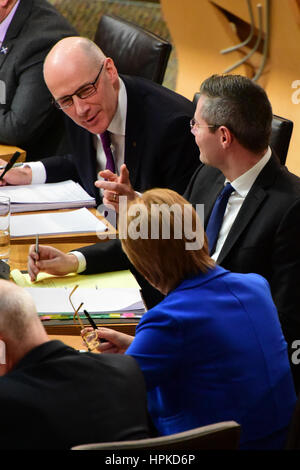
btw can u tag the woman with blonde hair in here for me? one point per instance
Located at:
(213, 349)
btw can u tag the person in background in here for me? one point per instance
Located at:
(213, 349)
(28, 30)
(110, 120)
(54, 397)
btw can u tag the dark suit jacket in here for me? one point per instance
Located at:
(160, 150)
(56, 398)
(27, 117)
(265, 236)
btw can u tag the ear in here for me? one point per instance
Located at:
(111, 70)
(226, 137)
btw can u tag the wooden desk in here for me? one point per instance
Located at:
(6, 152)
(65, 328)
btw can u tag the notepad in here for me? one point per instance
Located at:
(95, 301)
(123, 279)
(36, 197)
(55, 223)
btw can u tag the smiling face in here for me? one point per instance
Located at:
(67, 72)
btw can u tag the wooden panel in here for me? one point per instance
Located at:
(6, 152)
(199, 31)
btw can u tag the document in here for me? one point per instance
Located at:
(36, 197)
(95, 301)
(55, 223)
(123, 279)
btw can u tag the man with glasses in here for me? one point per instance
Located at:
(147, 124)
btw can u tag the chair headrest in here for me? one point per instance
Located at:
(135, 50)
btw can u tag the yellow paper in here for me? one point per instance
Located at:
(100, 281)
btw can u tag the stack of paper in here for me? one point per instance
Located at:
(53, 223)
(56, 301)
(36, 197)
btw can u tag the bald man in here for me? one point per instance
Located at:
(148, 124)
(52, 396)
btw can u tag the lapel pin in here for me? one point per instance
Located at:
(3, 50)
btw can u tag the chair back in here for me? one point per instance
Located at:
(223, 436)
(280, 136)
(134, 50)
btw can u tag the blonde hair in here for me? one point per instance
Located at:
(163, 262)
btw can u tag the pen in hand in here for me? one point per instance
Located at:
(10, 164)
(93, 325)
(36, 249)
(37, 244)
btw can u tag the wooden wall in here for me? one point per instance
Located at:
(200, 29)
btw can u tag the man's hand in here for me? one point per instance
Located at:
(115, 186)
(116, 342)
(16, 176)
(50, 260)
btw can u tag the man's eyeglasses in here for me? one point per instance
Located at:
(195, 124)
(84, 92)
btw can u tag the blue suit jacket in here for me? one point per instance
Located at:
(212, 351)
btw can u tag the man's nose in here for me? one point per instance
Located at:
(81, 106)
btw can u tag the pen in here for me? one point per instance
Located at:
(37, 244)
(11, 162)
(93, 325)
(16, 165)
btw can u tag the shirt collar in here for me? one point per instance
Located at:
(243, 183)
(118, 123)
(4, 25)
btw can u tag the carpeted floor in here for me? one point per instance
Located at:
(85, 15)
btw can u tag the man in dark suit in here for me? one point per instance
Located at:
(147, 123)
(260, 230)
(54, 397)
(28, 30)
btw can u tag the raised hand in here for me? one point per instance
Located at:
(115, 186)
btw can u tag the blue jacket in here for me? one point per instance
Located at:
(212, 351)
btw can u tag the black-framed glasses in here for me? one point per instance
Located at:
(84, 92)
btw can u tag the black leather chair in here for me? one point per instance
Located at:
(280, 137)
(135, 51)
(219, 436)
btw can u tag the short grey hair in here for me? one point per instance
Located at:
(17, 311)
(241, 105)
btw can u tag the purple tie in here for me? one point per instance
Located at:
(105, 139)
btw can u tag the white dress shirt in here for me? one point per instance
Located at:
(242, 186)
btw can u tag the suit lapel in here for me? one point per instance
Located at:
(134, 135)
(252, 203)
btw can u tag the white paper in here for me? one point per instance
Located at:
(52, 223)
(56, 300)
(65, 194)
